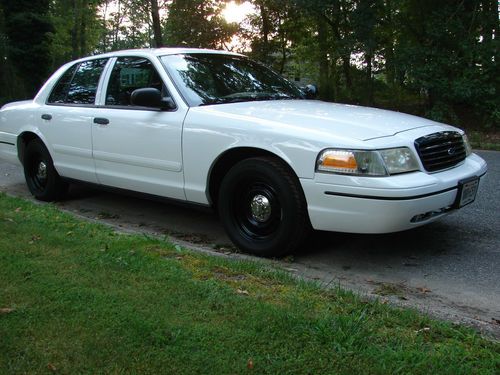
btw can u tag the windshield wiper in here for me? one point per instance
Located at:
(248, 97)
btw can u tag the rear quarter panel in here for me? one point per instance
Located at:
(16, 118)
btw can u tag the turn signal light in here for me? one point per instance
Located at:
(338, 161)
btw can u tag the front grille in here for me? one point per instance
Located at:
(441, 150)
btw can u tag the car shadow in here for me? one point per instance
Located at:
(417, 249)
(408, 248)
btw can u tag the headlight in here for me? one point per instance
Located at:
(399, 160)
(468, 148)
(367, 163)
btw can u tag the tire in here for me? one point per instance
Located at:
(263, 208)
(42, 179)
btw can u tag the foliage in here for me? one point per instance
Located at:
(197, 23)
(411, 55)
(446, 56)
(26, 40)
(78, 297)
(127, 24)
(78, 29)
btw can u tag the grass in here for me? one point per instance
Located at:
(485, 140)
(77, 297)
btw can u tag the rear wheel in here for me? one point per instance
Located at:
(262, 207)
(41, 177)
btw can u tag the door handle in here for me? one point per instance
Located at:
(46, 116)
(101, 121)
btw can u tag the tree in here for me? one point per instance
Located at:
(155, 16)
(78, 29)
(30, 49)
(449, 55)
(197, 23)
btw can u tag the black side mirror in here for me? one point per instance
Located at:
(310, 91)
(151, 97)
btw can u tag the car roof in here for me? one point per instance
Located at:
(159, 52)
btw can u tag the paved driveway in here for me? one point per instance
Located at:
(450, 268)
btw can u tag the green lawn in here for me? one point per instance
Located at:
(77, 297)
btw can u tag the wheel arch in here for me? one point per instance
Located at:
(22, 142)
(228, 159)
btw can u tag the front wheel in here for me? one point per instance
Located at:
(262, 207)
(41, 177)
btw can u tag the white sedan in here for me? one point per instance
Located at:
(217, 129)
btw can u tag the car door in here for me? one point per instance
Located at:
(137, 148)
(66, 119)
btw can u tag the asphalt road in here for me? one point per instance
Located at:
(450, 268)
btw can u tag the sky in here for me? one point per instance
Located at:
(237, 12)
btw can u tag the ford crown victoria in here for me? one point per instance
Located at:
(217, 129)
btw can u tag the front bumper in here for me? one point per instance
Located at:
(387, 204)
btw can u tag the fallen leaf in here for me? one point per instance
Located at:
(250, 364)
(51, 367)
(423, 289)
(6, 310)
(425, 329)
(242, 291)
(18, 209)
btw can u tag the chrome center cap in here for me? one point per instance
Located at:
(260, 208)
(42, 170)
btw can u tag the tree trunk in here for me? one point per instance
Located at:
(369, 80)
(117, 20)
(324, 71)
(74, 31)
(283, 41)
(390, 68)
(265, 31)
(83, 31)
(155, 15)
(346, 67)
(105, 20)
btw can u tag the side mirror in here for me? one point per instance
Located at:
(310, 91)
(151, 97)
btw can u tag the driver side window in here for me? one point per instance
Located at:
(129, 74)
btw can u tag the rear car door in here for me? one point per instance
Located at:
(66, 119)
(137, 148)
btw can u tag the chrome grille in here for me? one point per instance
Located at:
(441, 150)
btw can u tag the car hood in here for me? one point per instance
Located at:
(361, 123)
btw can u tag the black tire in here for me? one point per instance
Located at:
(263, 208)
(41, 177)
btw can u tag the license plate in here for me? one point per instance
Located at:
(467, 191)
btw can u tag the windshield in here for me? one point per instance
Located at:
(206, 79)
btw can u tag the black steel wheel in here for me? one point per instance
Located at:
(262, 207)
(41, 177)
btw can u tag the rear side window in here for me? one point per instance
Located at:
(129, 74)
(80, 86)
(60, 90)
